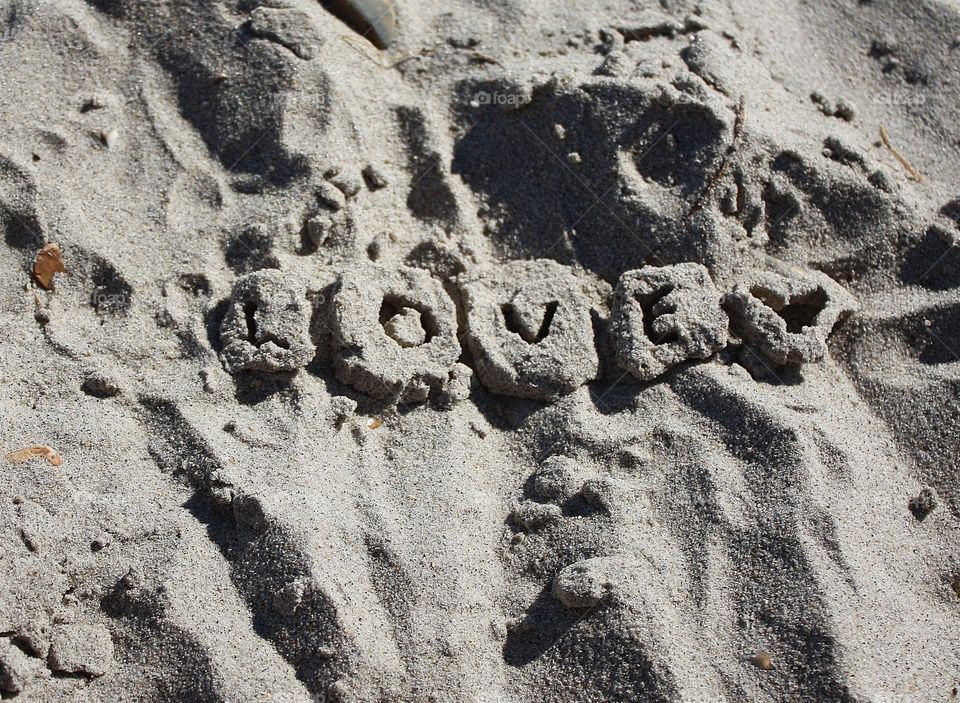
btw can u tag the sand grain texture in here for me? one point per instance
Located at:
(552, 351)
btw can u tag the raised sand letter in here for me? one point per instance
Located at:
(663, 316)
(266, 327)
(529, 329)
(788, 316)
(394, 332)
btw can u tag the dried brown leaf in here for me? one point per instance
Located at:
(40, 451)
(48, 262)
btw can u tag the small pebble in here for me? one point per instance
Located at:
(555, 479)
(923, 504)
(599, 493)
(342, 409)
(330, 197)
(845, 111)
(100, 386)
(101, 541)
(94, 102)
(374, 179)
(347, 185)
(583, 584)
(109, 138)
(531, 516)
(132, 579)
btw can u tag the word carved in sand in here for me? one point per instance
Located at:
(529, 325)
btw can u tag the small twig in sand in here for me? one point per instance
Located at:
(477, 57)
(27, 453)
(722, 169)
(369, 51)
(914, 173)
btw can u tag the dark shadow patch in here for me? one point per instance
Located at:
(231, 87)
(251, 388)
(269, 567)
(593, 654)
(196, 284)
(781, 208)
(504, 412)
(111, 293)
(379, 29)
(931, 263)
(249, 249)
(537, 197)
(824, 528)
(182, 671)
(764, 370)
(952, 210)
(390, 582)
(620, 393)
(430, 198)
(21, 224)
(750, 433)
(213, 321)
(778, 604)
(21, 230)
(941, 328)
(544, 623)
(845, 203)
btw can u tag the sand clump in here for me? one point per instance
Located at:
(81, 649)
(789, 317)
(266, 327)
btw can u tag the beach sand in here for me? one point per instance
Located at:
(482, 350)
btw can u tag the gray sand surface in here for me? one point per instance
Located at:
(480, 350)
